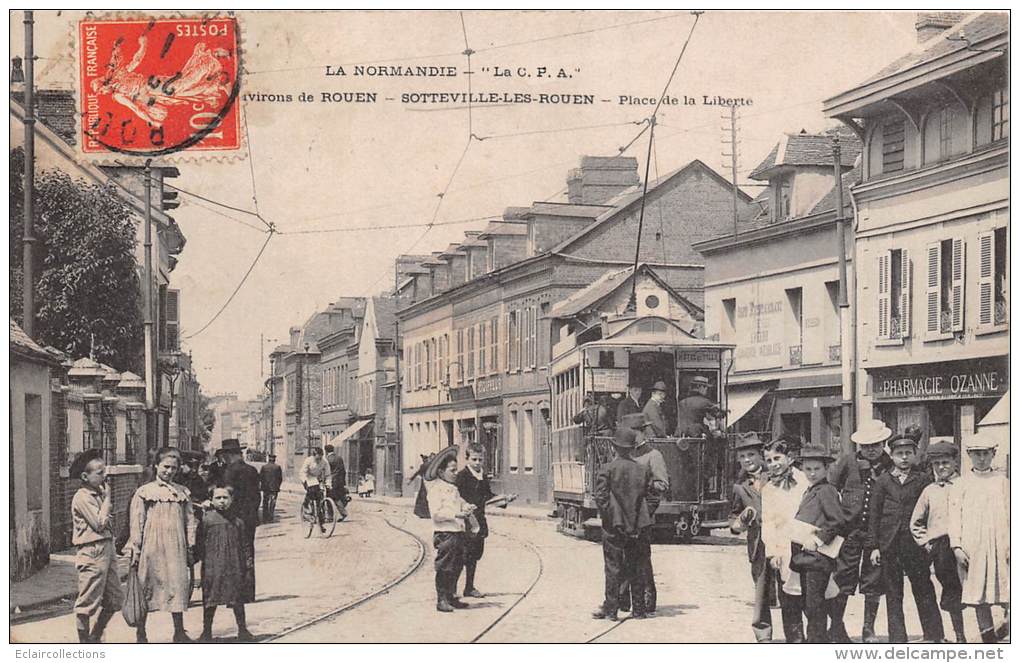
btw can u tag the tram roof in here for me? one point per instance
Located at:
(633, 331)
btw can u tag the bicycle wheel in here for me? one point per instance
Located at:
(308, 518)
(329, 516)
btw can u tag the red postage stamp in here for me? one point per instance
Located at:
(152, 87)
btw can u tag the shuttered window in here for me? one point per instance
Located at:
(894, 284)
(892, 146)
(470, 353)
(483, 344)
(494, 345)
(993, 280)
(460, 356)
(944, 288)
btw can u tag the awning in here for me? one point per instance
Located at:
(998, 415)
(741, 398)
(352, 430)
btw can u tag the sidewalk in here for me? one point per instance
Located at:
(514, 510)
(57, 581)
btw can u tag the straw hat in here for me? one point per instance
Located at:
(871, 431)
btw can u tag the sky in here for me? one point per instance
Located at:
(346, 171)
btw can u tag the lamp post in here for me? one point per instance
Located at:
(272, 405)
(308, 399)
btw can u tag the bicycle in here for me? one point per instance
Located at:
(321, 510)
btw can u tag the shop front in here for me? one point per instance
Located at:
(947, 400)
(806, 407)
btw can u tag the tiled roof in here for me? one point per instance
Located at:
(805, 149)
(976, 27)
(55, 109)
(385, 315)
(25, 346)
(496, 228)
(567, 209)
(606, 285)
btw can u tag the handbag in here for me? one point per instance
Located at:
(421, 503)
(803, 561)
(134, 607)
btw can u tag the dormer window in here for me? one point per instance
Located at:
(782, 199)
(1000, 113)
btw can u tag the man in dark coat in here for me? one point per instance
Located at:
(245, 481)
(620, 491)
(745, 516)
(693, 408)
(270, 480)
(653, 411)
(854, 476)
(474, 488)
(337, 476)
(893, 499)
(631, 404)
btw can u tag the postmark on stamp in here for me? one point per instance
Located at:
(154, 87)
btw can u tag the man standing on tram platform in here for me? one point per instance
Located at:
(653, 412)
(693, 408)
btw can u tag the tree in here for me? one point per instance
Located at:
(88, 291)
(207, 416)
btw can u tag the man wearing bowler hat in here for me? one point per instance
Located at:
(693, 408)
(621, 488)
(245, 480)
(654, 415)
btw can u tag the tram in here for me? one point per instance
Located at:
(601, 361)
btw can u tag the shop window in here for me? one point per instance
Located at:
(795, 325)
(894, 296)
(944, 290)
(513, 440)
(942, 420)
(892, 146)
(993, 280)
(833, 333)
(832, 425)
(529, 441)
(797, 424)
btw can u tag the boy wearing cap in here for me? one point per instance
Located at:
(819, 507)
(893, 498)
(621, 488)
(854, 476)
(92, 520)
(745, 516)
(979, 534)
(929, 525)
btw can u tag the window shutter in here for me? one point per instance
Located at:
(534, 336)
(933, 290)
(957, 285)
(883, 296)
(508, 333)
(173, 319)
(905, 284)
(986, 279)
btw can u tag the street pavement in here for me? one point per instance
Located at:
(540, 586)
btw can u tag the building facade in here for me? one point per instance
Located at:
(932, 245)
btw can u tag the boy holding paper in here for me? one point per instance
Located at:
(815, 546)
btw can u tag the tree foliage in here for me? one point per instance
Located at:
(87, 287)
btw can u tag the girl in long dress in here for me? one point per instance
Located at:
(979, 534)
(162, 543)
(227, 560)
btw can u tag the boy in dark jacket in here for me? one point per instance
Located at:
(474, 489)
(620, 491)
(893, 499)
(745, 516)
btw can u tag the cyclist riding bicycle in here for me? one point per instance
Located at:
(315, 478)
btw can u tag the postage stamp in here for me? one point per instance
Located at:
(159, 86)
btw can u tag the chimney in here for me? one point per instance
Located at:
(295, 336)
(932, 24)
(600, 178)
(17, 75)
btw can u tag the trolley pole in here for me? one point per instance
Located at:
(28, 239)
(843, 300)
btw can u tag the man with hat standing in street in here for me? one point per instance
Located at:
(745, 516)
(929, 524)
(893, 498)
(693, 408)
(654, 415)
(245, 481)
(270, 480)
(854, 476)
(621, 490)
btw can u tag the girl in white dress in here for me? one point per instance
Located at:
(979, 534)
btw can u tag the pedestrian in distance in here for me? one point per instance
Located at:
(780, 500)
(161, 544)
(820, 508)
(99, 589)
(893, 499)
(621, 490)
(369, 483)
(854, 475)
(270, 480)
(337, 480)
(929, 525)
(449, 511)
(979, 535)
(474, 488)
(745, 516)
(227, 560)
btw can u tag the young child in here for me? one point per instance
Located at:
(226, 559)
(448, 511)
(893, 498)
(979, 534)
(98, 583)
(820, 508)
(621, 489)
(780, 500)
(474, 488)
(746, 517)
(929, 525)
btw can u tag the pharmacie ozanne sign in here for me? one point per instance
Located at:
(980, 378)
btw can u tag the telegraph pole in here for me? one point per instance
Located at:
(28, 240)
(733, 164)
(843, 301)
(398, 471)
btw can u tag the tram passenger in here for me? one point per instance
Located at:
(653, 410)
(594, 416)
(746, 517)
(631, 404)
(694, 408)
(621, 489)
